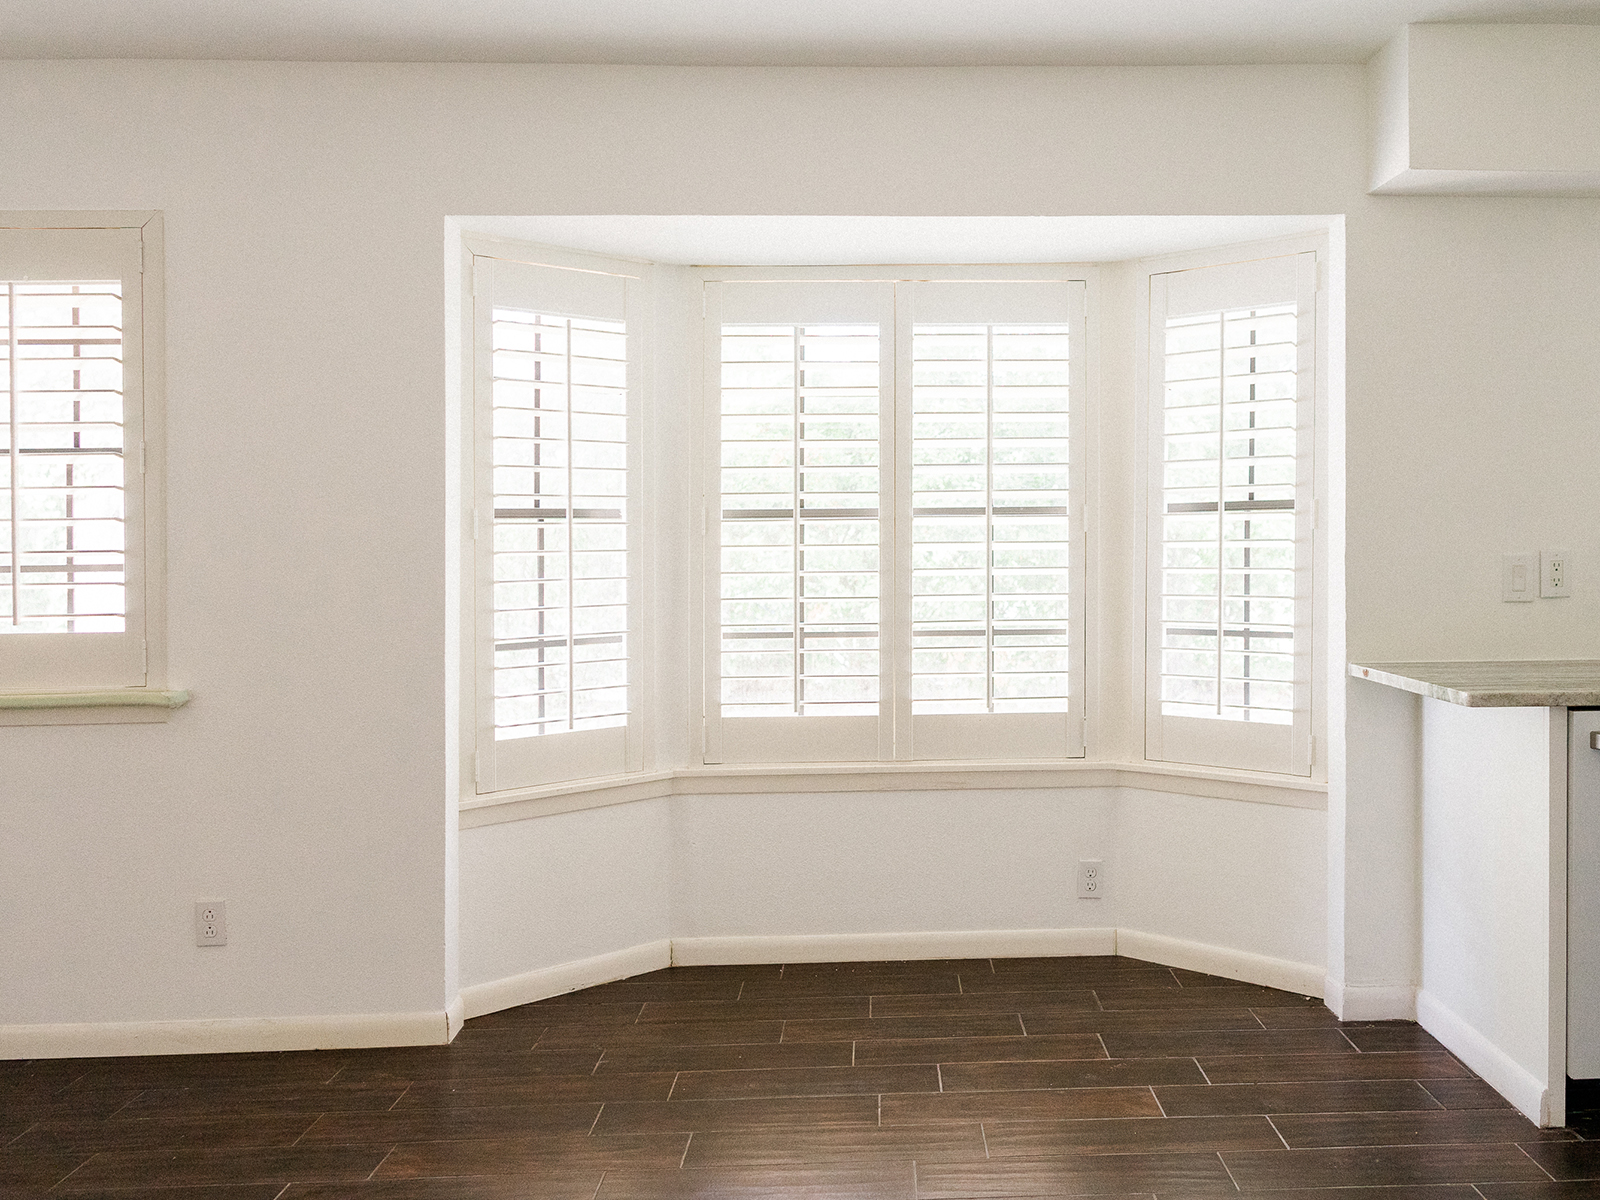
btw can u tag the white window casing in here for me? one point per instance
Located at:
(1230, 561)
(80, 515)
(894, 557)
(556, 402)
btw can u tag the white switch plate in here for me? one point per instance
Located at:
(1519, 577)
(1555, 567)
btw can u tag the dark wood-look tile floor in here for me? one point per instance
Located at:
(1052, 1077)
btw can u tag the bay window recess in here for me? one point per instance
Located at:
(897, 566)
(1232, 369)
(556, 365)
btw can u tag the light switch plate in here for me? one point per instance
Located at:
(1519, 577)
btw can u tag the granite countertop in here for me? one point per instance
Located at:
(1537, 683)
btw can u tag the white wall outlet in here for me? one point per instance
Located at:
(1519, 577)
(1091, 879)
(1553, 566)
(210, 922)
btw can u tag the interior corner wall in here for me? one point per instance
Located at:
(560, 889)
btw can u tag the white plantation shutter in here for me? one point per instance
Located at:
(804, 402)
(72, 539)
(1229, 659)
(555, 372)
(893, 559)
(996, 552)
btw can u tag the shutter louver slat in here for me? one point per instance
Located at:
(62, 503)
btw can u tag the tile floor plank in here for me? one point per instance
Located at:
(813, 1081)
(1181, 1175)
(959, 1142)
(1411, 1128)
(1376, 1165)
(1335, 1096)
(538, 1155)
(1303, 1068)
(969, 1049)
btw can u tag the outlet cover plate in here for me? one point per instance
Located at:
(210, 922)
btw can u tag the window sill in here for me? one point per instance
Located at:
(115, 706)
(769, 778)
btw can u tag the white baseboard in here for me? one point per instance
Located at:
(112, 1039)
(497, 994)
(892, 947)
(1369, 1002)
(1497, 1068)
(1304, 978)
(427, 1029)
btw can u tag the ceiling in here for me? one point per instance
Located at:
(744, 32)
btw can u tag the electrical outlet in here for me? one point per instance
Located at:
(1553, 573)
(210, 922)
(1091, 878)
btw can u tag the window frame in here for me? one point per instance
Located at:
(815, 739)
(1165, 740)
(572, 756)
(107, 687)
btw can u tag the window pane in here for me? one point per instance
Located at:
(62, 560)
(799, 531)
(1228, 493)
(990, 519)
(560, 533)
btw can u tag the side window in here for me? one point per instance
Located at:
(80, 562)
(555, 410)
(1232, 362)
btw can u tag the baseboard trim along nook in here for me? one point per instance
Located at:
(114, 1039)
(1371, 1002)
(892, 947)
(1282, 973)
(497, 994)
(1496, 1068)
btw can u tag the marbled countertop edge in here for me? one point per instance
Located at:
(1527, 683)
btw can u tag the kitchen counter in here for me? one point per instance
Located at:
(1536, 683)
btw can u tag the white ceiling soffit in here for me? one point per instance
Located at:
(829, 241)
(744, 32)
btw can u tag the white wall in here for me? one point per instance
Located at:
(866, 862)
(308, 781)
(1499, 108)
(1494, 783)
(1208, 871)
(538, 894)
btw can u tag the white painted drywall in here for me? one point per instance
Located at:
(1206, 871)
(305, 205)
(1488, 108)
(870, 862)
(537, 894)
(1487, 809)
